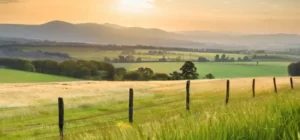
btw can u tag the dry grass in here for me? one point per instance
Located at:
(13, 95)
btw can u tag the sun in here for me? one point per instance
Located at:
(136, 6)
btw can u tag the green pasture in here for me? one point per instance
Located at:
(219, 70)
(15, 76)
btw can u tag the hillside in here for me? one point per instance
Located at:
(15, 76)
(107, 33)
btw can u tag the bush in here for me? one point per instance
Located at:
(133, 76)
(209, 76)
(160, 76)
(294, 69)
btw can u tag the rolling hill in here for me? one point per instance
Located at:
(15, 76)
(107, 33)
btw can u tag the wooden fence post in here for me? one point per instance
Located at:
(61, 117)
(188, 95)
(227, 91)
(275, 86)
(130, 105)
(292, 83)
(253, 88)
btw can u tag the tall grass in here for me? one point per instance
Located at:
(273, 117)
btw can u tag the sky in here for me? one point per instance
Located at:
(243, 16)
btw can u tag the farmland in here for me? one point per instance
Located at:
(94, 53)
(98, 110)
(15, 76)
(219, 70)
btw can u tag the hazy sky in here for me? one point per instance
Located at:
(248, 16)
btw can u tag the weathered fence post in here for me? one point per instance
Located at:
(188, 95)
(253, 88)
(61, 117)
(292, 83)
(130, 105)
(227, 91)
(275, 86)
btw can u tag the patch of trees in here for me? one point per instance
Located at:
(294, 69)
(202, 59)
(224, 58)
(82, 69)
(159, 52)
(95, 70)
(18, 64)
(123, 59)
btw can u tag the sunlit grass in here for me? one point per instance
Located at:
(268, 116)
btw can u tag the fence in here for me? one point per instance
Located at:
(130, 110)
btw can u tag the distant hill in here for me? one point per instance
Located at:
(107, 33)
(94, 33)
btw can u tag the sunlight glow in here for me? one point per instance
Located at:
(136, 6)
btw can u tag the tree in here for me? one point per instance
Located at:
(239, 59)
(223, 58)
(176, 76)
(133, 75)
(209, 76)
(139, 59)
(217, 58)
(202, 59)
(160, 76)
(119, 74)
(147, 73)
(246, 58)
(29, 67)
(294, 69)
(189, 71)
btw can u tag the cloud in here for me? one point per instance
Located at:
(8, 1)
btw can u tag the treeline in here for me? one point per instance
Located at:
(294, 69)
(95, 70)
(123, 59)
(81, 69)
(224, 58)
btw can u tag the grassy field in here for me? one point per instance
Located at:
(15, 76)
(219, 70)
(98, 110)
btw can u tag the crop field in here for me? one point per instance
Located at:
(219, 70)
(15, 76)
(99, 110)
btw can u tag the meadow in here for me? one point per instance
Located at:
(16, 76)
(99, 110)
(219, 70)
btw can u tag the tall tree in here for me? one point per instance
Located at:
(189, 70)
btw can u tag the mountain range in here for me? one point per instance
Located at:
(115, 34)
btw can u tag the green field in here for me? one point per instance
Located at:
(159, 111)
(219, 70)
(15, 76)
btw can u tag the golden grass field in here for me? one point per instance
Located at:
(30, 94)
(99, 110)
